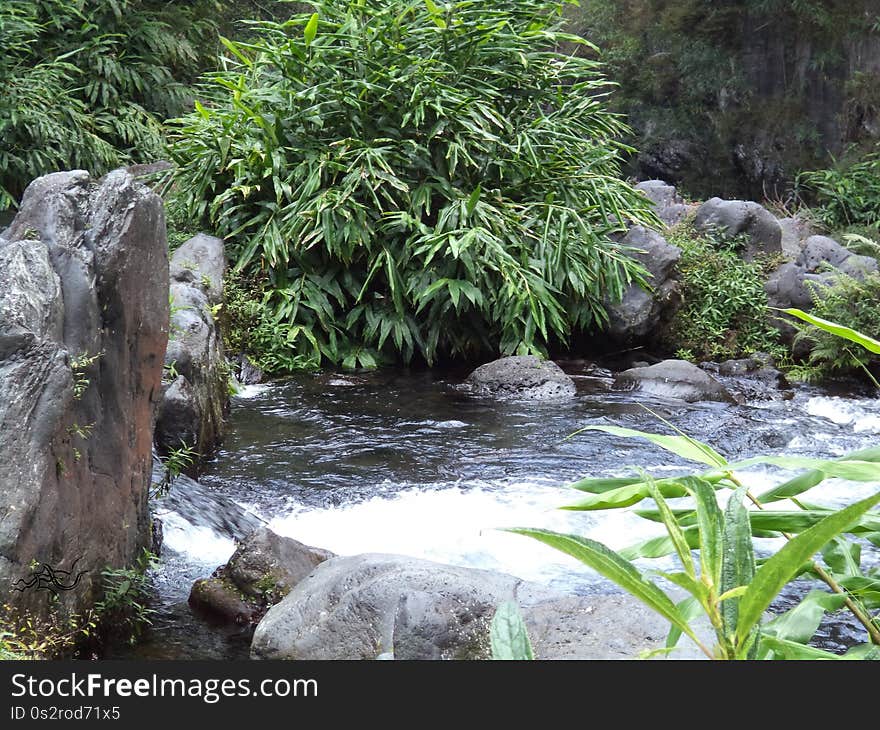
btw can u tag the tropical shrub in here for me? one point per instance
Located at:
(414, 180)
(848, 194)
(87, 84)
(724, 306)
(852, 303)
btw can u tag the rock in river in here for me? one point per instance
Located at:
(674, 379)
(364, 606)
(523, 377)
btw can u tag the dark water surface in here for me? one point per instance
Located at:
(402, 462)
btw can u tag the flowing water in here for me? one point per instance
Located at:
(404, 463)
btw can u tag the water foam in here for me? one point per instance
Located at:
(199, 543)
(462, 526)
(863, 415)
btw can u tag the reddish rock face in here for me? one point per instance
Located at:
(83, 332)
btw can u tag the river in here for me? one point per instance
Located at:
(402, 462)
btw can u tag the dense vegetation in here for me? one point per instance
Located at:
(414, 180)
(724, 306)
(88, 84)
(848, 194)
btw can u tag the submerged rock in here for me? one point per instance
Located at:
(751, 378)
(374, 605)
(83, 328)
(674, 379)
(520, 377)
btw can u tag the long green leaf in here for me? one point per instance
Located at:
(869, 343)
(856, 471)
(800, 623)
(675, 532)
(738, 567)
(865, 588)
(801, 483)
(683, 446)
(792, 650)
(611, 566)
(628, 495)
(508, 634)
(311, 29)
(710, 525)
(782, 567)
(690, 609)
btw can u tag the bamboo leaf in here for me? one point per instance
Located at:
(690, 609)
(799, 624)
(851, 469)
(785, 565)
(611, 566)
(628, 495)
(847, 333)
(683, 446)
(508, 634)
(738, 566)
(675, 532)
(709, 524)
(311, 29)
(784, 649)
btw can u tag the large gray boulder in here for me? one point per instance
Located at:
(731, 218)
(820, 252)
(640, 313)
(83, 329)
(364, 606)
(668, 205)
(799, 283)
(795, 230)
(520, 377)
(674, 379)
(196, 394)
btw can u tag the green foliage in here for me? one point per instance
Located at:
(508, 634)
(79, 367)
(413, 180)
(850, 303)
(24, 635)
(730, 591)
(175, 462)
(87, 83)
(724, 305)
(123, 610)
(847, 194)
(723, 584)
(250, 327)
